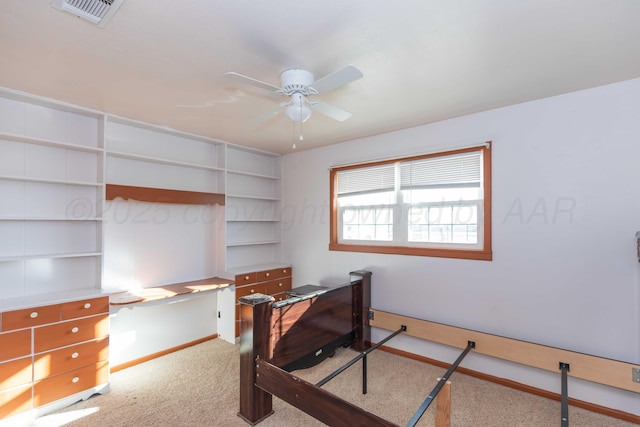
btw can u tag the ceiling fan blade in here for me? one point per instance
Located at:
(330, 111)
(251, 80)
(336, 79)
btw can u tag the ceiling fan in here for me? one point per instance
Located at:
(298, 85)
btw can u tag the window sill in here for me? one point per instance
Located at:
(480, 255)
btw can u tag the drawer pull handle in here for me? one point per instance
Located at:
(246, 277)
(267, 274)
(280, 284)
(75, 380)
(252, 291)
(284, 271)
(75, 355)
(34, 314)
(87, 305)
(75, 329)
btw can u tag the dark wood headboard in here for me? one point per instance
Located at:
(299, 332)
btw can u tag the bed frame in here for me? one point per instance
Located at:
(299, 332)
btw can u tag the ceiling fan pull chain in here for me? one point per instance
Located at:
(294, 136)
(301, 138)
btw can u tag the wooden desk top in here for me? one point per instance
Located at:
(168, 291)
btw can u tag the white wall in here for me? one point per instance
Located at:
(153, 244)
(566, 207)
(150, 244)
(138, 330)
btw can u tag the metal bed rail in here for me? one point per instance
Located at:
(425, 405)
(363, 356)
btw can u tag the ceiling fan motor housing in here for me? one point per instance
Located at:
(296, 81)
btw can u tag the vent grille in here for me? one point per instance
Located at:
(97, 11)
(96, 8)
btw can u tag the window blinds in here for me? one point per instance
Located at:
(454, 170)
(464, 169)
(365, 180)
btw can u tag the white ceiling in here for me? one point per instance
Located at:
(163, 62)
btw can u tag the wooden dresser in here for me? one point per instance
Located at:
(274, 282)
(51, 352)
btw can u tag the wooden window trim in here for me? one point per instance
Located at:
(484, 254)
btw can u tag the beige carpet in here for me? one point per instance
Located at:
(198, 386)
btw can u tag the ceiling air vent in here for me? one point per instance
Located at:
(98, 12)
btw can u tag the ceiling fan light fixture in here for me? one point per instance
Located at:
(298, 84)
(298, 113)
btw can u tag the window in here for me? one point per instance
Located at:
(431, 205)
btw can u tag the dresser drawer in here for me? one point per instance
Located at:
(26, 318)
(70, 332)
(250, 289)
(276, 273)
(69, 358)
(82, 308)
(69, 383)
(14, 373)
(15, 400)
(245, 279)
(278, 286)
(15, 344)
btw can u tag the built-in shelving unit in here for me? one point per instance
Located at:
(253, 209)
(51, 181)
(66, 170)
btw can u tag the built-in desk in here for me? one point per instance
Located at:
(154, 321)
(156, 293)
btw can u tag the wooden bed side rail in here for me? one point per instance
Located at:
(591, 368)
(320, 404)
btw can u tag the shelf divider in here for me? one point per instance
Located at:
(162, 195)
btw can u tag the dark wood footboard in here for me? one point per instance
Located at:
(320, 404)
(298, 333)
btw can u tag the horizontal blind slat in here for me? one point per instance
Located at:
(436, 171)
(366, 180)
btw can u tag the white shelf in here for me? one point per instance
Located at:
(266, 242)
(245, 161)
(240, 196)
(50, 256)
(48, 219)
(253, 220)
(49, 143)
(257, 175)
(162, 161)
(50, 181)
